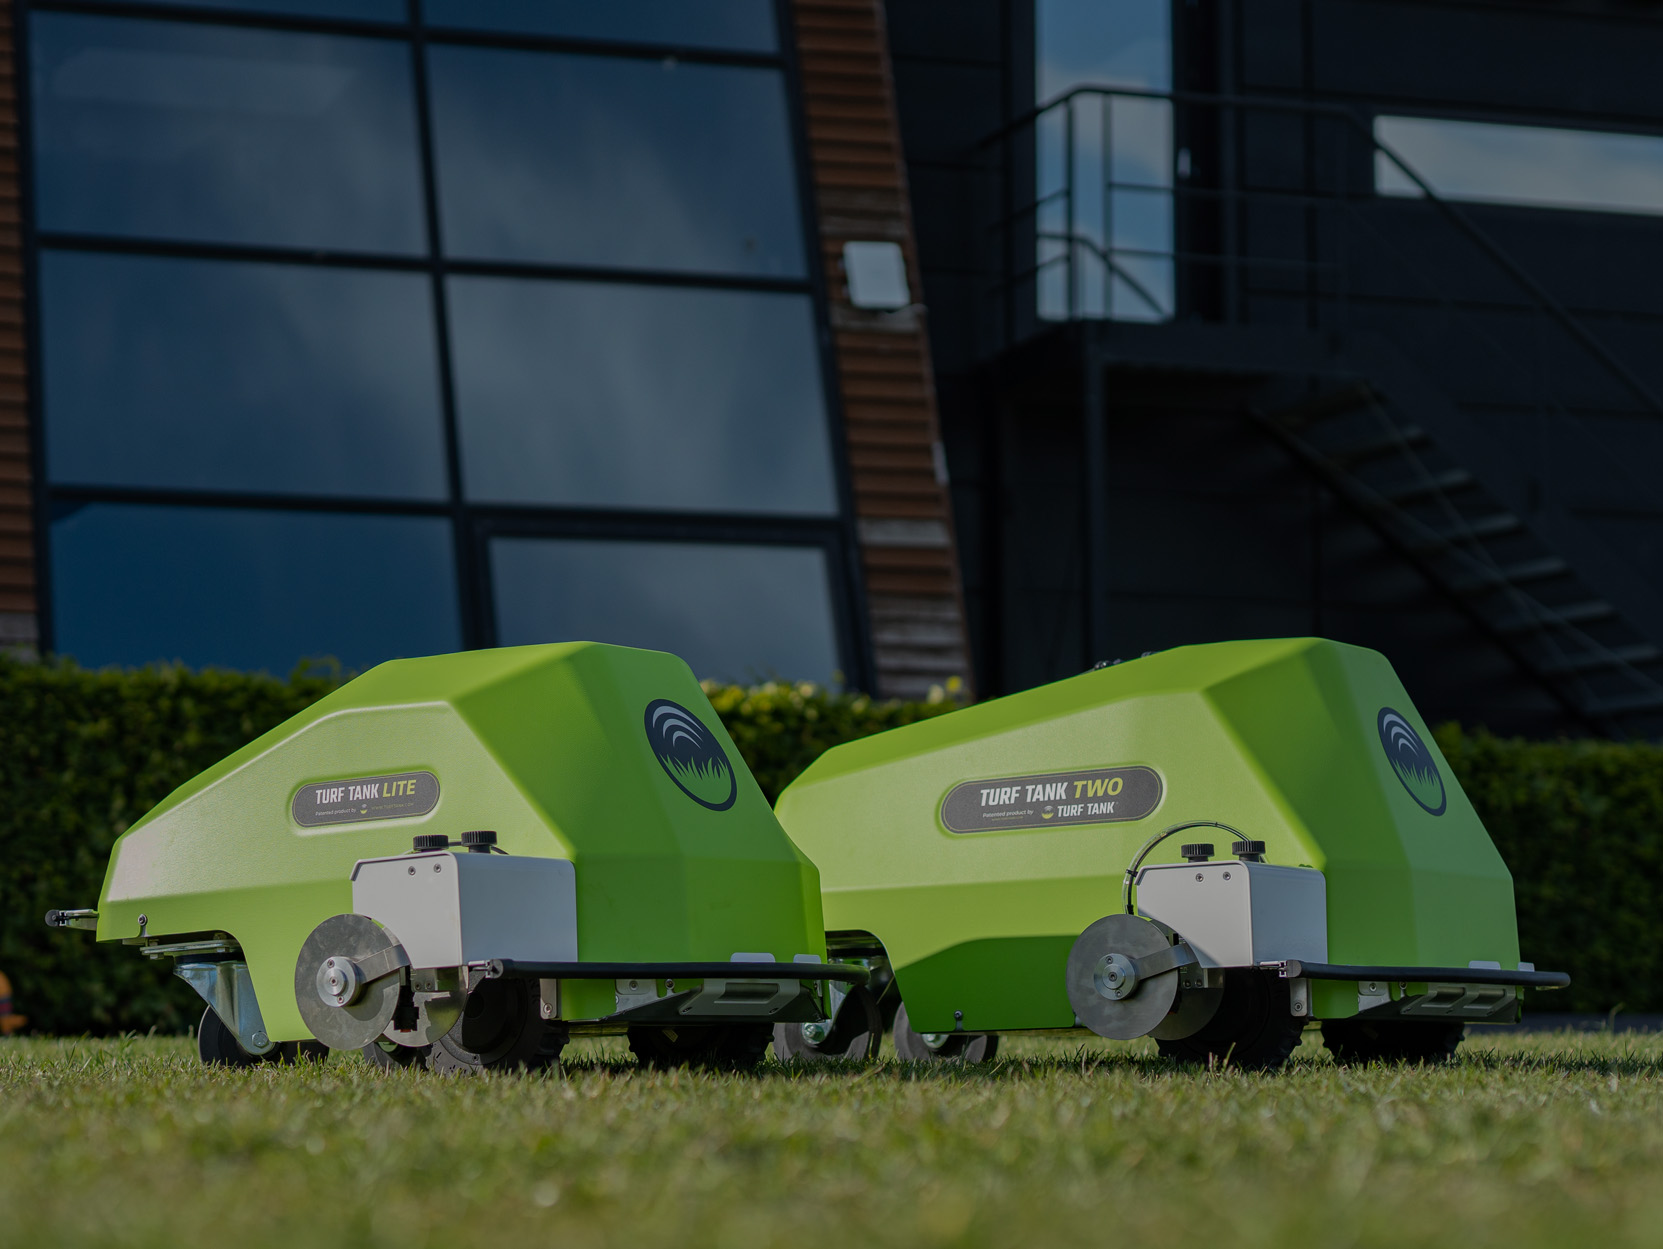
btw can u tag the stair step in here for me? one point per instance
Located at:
(1521, 573)
(1492, 526)
(1612, 657)
(1334, 403)
(1432, 484)
(1374, 448)
(1571, 613)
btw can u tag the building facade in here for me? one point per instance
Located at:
(842, 339)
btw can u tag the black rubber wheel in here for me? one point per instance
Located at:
(963, 1047)
(856, 1035)
(1412, 1041)
(218, 1046)
(502, 1028)
(1253, 1030)
(714, 1047)
(384, 1053)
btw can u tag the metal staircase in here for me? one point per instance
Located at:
(1495, 538)
(1481, 553)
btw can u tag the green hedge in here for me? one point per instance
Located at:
(83, 754)
(1580, 824)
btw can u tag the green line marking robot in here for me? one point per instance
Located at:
(1046, 863)
(465, 860)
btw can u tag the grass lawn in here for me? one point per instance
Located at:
(1546, 1139)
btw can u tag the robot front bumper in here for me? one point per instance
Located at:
(430, 927)
(1158, 968)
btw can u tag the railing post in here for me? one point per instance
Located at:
(1229, 216)
(1068, 200)
(1095, 439)
(1107, 122)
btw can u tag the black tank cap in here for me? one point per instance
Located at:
(1248, 851)
(1198, 851)
(479, 840)
(423, 842)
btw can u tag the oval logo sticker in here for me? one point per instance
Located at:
(690, 755)
(1412, 761)
(1052, 800)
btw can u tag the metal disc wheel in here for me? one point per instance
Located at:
(354, 1023)
(502, 1028)
(392, 1056)
(931, 1047)
(1101, 965)
(714, 1047)
(856, 1034)
(1252, 1030)
(1364, 1040)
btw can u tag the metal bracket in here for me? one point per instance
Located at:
(192, 949)
(743, 997)
(384, 962)
(229, 991)
(1159, 963)
(73, 919)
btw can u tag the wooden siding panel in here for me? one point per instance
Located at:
(908, 554)
(17, 552)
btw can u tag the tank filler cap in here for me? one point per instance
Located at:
(1248, 851)
(1198, 851)
(480, 841)
(421, 843)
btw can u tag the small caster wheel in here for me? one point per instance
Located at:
(856, 1034)
(925, 1047)
(218, 1046)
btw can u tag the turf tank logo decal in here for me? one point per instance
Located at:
(690, 755)
(1412, 761)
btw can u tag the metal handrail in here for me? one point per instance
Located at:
(1538, 294)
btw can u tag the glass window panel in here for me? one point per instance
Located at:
(740, 25)
(1119, 43)
(1120, 142)
(624, 395)
(607, 161)
(250, 589)
(361, 10)
(1539, 166)
(221, 134)
(733, 612)
(216, 375)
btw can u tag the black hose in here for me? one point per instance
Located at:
(1137, 862)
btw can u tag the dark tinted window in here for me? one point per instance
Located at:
(175, 130)
(250, 589)
(361, 10)
(626, 395)
(742, 25)
(608, 161)
(214, 375)
(734, 613)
